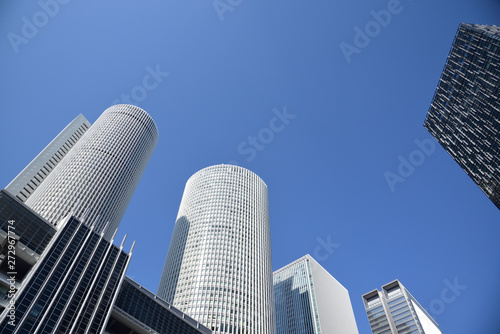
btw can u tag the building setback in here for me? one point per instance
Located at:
(394, 310)
(100, 172)
(218, 268)
(464, 115)
(308, 300)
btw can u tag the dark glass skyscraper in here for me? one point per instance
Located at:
(464, 115)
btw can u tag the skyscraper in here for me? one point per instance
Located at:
(464, 115)
(99, 173)
(68, 278)
(218, 267)
(310, 301)
(394, 310)
(44, 163)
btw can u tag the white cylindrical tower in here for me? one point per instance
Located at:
(218, 268)
(101, 171)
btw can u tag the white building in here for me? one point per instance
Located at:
(394, 310)
(44, 163)
(311, 301)
(218, 267)
(99, 172)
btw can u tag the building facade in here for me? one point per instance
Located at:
(70, 278)
(71, 288)
(139, 311)
(464, 115)
(394, 310)
(100, 172)
(218, 267)
(44, 163)
(308, 300)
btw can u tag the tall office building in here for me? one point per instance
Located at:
(464, 115)
(44, 163)
(308, 300)
(70, 279)
(99, 173)
(218, 267)
(394, 310)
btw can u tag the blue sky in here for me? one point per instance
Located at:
(220, 78)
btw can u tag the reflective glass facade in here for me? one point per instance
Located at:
(218, 268)
(138, 310)
(394, 310)
(71, 288)
(34, 232)
(464, 115)
(295, 301)
(308, 300)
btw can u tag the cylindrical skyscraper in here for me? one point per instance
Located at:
(101, 171)
(218, 267)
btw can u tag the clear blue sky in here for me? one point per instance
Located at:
(350, 119)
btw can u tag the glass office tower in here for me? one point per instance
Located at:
(394, 310)
(308, 300)
(218, 267)
(464, 115)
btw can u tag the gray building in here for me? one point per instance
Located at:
(394, 310)
(308, 300)
(464, 115)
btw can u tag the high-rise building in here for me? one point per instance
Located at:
(464, 115)
(394, 310)
(218, 268)
(99, 173)
(308, 300)
(44, 163)
(70, 278)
